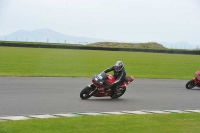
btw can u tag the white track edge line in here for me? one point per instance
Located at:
(139, 112)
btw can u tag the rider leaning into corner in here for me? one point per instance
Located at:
(119, 74)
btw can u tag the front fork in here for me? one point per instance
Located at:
(94, 89)
(92, 86)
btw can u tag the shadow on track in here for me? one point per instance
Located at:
(197, 89)
(107, 100)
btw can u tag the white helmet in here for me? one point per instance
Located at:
(118, 66)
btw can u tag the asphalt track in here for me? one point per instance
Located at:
(52, 95)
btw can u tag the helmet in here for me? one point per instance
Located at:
(197, 75)
(118, 66)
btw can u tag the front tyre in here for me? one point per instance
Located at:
(85, 93)
(190, 84)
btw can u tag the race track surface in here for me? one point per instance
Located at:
(51, 95)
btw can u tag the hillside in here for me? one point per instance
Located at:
(148, 45)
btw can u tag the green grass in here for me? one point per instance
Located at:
(84, 63)
(156, 123)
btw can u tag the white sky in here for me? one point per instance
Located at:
(122, 20)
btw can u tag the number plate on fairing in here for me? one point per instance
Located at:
(99, 78)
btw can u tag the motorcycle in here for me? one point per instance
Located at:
(101, 84)
(195, 82)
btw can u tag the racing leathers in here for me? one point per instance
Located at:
(119, 78)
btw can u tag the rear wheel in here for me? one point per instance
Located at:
(119, 93)
(85, 92)
(190, 84)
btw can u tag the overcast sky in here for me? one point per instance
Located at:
(122, 20)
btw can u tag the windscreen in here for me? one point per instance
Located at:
(99, 78)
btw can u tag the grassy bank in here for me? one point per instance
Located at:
(84, 63)
(148, 45)
(156, 123)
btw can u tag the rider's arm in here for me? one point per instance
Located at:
(109, 69)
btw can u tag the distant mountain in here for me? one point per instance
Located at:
(44, 35)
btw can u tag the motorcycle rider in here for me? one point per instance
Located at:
(119, 74)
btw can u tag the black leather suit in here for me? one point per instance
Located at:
(119, 76)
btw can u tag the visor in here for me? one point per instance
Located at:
(117, 68)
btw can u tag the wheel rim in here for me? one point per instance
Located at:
(120, 91)
(190, 86)
(85, 95)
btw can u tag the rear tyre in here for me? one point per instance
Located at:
(190, 84)
(85, 92)
(119, 93)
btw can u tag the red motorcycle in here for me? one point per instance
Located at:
(100, 86)
(194, 82)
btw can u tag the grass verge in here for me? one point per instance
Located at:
(85, 63)
(156, 123)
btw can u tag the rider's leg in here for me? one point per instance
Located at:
(113, 90)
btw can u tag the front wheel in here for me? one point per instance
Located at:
(119, 93)
(190, 84)
(85, 93)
